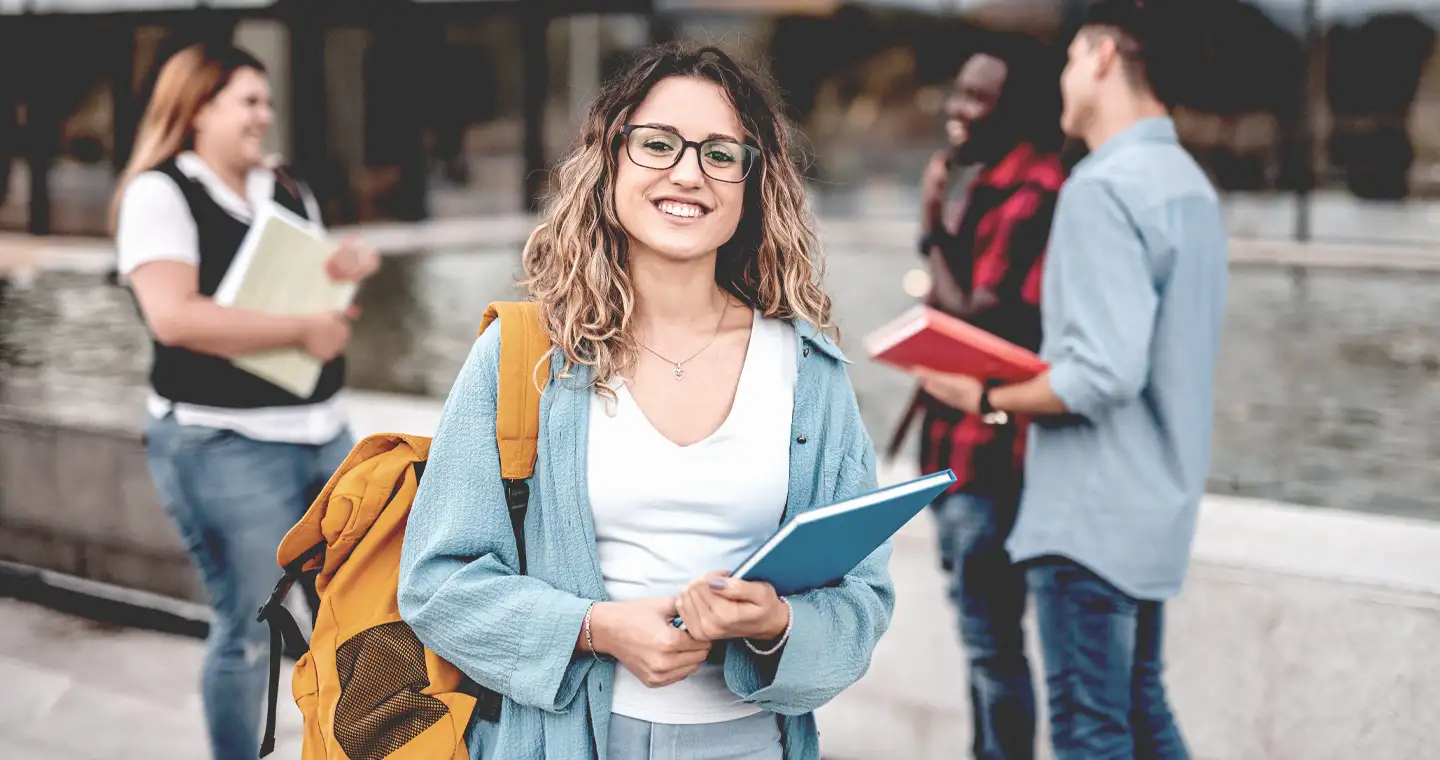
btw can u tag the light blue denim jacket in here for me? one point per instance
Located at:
(460, 590)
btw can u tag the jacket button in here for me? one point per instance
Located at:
(801, 439)
(805, 352)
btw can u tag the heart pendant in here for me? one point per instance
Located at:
(678, 372)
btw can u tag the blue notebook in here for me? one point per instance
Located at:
(817, 548)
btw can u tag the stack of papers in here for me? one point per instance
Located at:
(280, 269)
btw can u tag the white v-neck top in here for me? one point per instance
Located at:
(666, 514)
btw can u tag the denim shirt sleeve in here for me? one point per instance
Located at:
(459, 586)
(833, 630)
(1107, 301)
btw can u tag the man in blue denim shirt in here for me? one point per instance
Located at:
(1133, 303)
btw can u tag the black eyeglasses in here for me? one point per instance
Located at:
(660, 148)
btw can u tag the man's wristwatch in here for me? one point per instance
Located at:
(934, 236)
(989, 414)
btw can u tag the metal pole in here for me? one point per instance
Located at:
(536, 73)
(1306, 136)
(309, 125)
(122, 93)
(42, 125)
(584, 64)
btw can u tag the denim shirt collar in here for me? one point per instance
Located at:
(812, 335)
(1149, 129)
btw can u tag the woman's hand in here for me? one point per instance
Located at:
(324, 336)
(640, 635)
(716, 607)
(352, 261)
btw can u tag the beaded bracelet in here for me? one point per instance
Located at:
(784, 637)
(589, 642)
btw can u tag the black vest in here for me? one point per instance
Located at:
(185, 376)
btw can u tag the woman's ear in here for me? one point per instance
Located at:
(202, 117)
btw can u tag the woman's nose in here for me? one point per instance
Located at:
(687, 171)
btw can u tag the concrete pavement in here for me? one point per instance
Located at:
(79, 690)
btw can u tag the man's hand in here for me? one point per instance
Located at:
(715, 607)
(957, 391)
(933, 185)
(640, 635)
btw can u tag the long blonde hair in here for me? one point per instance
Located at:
(188, 81)
(575, 262)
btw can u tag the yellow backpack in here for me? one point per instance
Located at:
(367, 688)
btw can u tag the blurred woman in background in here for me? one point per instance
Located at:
(235, 459)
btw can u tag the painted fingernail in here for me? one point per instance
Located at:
(717, 583)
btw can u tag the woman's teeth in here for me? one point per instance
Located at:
(684, 210)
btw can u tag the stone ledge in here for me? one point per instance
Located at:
(1379, 552)
(20, 253)
(1331, 545)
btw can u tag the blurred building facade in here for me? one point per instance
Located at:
(1302, 110)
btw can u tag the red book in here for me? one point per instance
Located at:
(925, 337)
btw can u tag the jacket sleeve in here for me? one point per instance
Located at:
(833, 630)
(459, 585)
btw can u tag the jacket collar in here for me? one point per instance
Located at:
(812, 335)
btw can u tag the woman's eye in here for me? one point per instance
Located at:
(720, 156)
(658, 146)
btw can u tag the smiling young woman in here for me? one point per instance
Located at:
(697, 402)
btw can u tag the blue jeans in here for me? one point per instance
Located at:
(988, 592)
(756, 737)
(232, 500)
(1103, 667)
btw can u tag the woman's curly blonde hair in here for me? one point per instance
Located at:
(575, 262)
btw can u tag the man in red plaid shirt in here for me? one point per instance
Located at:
(985, 254)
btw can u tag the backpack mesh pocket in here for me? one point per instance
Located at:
(381, 707)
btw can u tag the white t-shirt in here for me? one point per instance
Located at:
(667, 514)
(155, 224)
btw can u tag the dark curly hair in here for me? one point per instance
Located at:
(1029, 104)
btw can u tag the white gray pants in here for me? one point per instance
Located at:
(756, 737)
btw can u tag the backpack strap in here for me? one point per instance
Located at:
(524, 371)
(284, 631)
